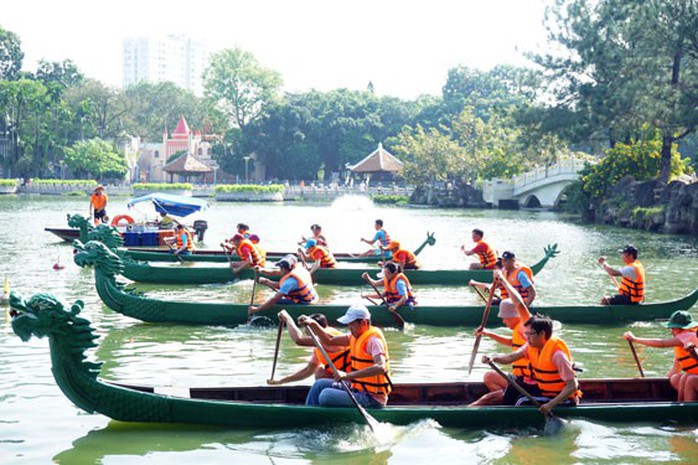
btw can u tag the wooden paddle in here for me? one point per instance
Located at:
(637, 360)
(613, 278)
(479, 292)
(485, 317)
(254, 286)
(372, 422)
(553, 423)
(398, 318)
(172, 249)
(230, 262)
(276, 350)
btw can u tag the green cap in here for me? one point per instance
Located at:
(682, 320)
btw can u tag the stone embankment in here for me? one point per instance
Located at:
(653, 206)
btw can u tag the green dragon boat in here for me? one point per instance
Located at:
(648, 400)
(218, 256)
(108, 265)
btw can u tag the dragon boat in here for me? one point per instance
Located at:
(647, 400)
(218, 256)
(108, 265)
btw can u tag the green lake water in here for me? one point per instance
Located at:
(39, 425)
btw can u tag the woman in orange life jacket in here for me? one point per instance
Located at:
(550, 361)
(319, 255)
(294, 287)
(316, 229)
(632, 283)
(406, 259)
(369, 375)
(486, 255)
(249, 254)
(183, 240)
(381, 236)
(514, 314)
(396, 287)
(317, 364)
(684, 372)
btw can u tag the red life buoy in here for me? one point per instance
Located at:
(117, 219)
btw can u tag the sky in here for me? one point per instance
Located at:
(404, 47)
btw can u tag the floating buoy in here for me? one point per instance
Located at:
(57, 266)
(6, 292)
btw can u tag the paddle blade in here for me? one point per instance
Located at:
(554, 425)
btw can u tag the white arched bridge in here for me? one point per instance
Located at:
(539, 188)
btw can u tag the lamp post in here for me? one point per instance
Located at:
(247, 173)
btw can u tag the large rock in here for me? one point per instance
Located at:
(682, 208)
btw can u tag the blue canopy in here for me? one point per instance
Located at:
(176, 205)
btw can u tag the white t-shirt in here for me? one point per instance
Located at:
(628, 272)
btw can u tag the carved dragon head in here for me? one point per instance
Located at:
(78, 221)
(107, 235)
(431, 240)
(97, 254)
(551, 251)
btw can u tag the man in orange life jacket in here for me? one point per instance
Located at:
(396, 287)
(406, 259)
(514, 313)
(317, 364)
(551, 364)
(249, 253)
(684, 372)
(98, 205)
(319, 255)
(381, 237)
(369, 375)
(518, 275)
(486, 255)
(316, 229)
(294, 287)
(632, 283)
(183, 240)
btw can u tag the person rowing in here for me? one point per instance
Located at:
(317, 235)
(381, 236)
(551, 366)
(683, 374)
(319, 255)
(486, 255)
(294, 287)
(369, 373)
(317, 365)
(249, 253)
(514, 313)
(183, 240)
(405, 258)
(631, 289)
(517, 274)
(396, 287)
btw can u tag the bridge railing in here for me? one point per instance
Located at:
(566, 166)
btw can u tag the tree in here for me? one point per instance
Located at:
(96, 157)
(98, 110)
(11, 55)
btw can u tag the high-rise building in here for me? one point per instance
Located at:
(173, 58)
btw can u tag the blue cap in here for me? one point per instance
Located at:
(310, 243)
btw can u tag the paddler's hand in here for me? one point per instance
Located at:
(480, 331)
(392, 308)
(284, 316)
(462, 248)
(486, 359)
(341, 376)
(365, 275)
(601, 260)
(273, 382)
(629, 336)
(546, 409)
(497, 274)
(303, 320)
(251, 310)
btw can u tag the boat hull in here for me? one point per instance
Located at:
(66, 234)
(217, 256)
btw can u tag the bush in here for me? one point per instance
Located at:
(640, 214)
(390, 199)
(152, 186)
(8, 182)
(64, 182)
(76, 194)
(248, 188)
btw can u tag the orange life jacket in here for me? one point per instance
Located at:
(391, 293)
(255, 255)
(405, 256)
(360, 359)
(544, 370)
(98, 201)
(518, 340)
(634, 289)
(190, 240)
(685, 359)
(305, 294)
(339, 356)
(321, 253)
(513, 278)
(386, 242)
(488, 258)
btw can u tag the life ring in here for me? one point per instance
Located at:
(117, 219)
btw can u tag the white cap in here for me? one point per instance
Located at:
(355, 312)
(507, 309)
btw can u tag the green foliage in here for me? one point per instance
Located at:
(152, 186)
(75, 194)
(576, 200)
(175, 156)
(640, 214)
(8, 182)
(80, 183)
(248, 188)
(96, 157)
(390, 199)
(428, 155)
(11, 55)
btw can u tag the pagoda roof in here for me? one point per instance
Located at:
(182, 129)
(187, 164)
(378, 161)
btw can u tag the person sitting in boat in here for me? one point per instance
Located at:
(514, 313)
(369, 374)
(98, 205)
(317, 235)
(249, 254)
(319, 255)
(182, 240)
(396, 287)
(380, 236)
(403, 257)
(550, 361)
(166, 221)
(486, 255)
(631, 289)
(517, 274)
(294, 287)
(683, 375)
(317, 364)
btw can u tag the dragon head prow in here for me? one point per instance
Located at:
(97, 254)
(77, 221)
(40, 315)
(108, 235)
